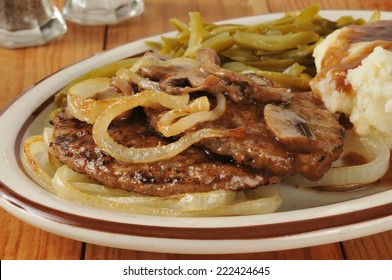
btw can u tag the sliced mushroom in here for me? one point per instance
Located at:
(183, 82)
(208, 56)
(290, 129)
(155, 66)
(124, 86)
(243, 87)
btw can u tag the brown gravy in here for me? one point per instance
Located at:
(337, 59)
(352, 158)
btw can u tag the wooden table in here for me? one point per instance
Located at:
(21, 68)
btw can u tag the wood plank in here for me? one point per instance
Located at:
(20, 241)
(374, 247)
(21, 68)
(28, 66)
(330, 251)
(287, 5)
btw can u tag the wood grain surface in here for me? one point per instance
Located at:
(19, 69)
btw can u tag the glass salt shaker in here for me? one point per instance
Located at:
(100, 12)
(25, 23)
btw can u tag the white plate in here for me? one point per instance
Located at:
(306, 218)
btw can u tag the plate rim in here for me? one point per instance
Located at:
(15, 202)
(256, 231)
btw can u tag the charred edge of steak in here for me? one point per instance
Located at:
(191, 171)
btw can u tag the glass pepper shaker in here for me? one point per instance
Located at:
(25, 23)
(101, 12)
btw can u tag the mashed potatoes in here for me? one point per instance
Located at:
(354, 67)
(372, 105)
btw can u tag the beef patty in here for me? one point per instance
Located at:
(285, 133)
(191, 171)
(296, 135)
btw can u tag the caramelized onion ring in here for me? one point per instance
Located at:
(137, 155)
(127, 75)
(191, 115)
(178, 63)
(81, 99)
(78, 187)
(39, 162)
(341, 177)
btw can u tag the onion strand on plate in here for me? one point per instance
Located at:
(374, 149)
(39, 162)
(77, 187)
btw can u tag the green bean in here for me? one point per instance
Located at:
(286, 29)
(308, 14)
(274, 42)
(181, 26)
(268, 46)
(300, 52)
(231, 28)
(346, 20)
(169, 44)
(219, 42)
(274, 64)
(375, 16)
(197, 34)
(179, 52)
(296, 82)
(238, 54)
(155, 46)
(293, 23)
(295, 69)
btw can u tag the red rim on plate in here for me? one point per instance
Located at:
(22, 198)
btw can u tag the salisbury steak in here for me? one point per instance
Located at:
(285, 133)
(191, 171)
(295, 135)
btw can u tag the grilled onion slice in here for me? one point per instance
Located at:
(39, 162)
(83, 101)
(137, 155)
(78, 187)
(346, 177)
(128, 75)
(196, 112)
